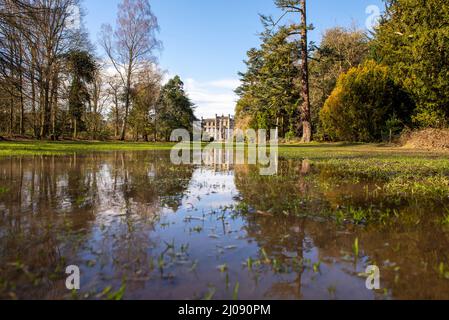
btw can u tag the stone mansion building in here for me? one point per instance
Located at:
(218, 129)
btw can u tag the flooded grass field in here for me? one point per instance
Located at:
(141, 228)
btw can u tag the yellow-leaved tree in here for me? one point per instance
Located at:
(365, 106)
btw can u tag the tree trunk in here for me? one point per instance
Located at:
(46, 110)
(33, 95)
(12, 89)
(11, 116)
(54, 108)
(75, 128)
(95, 110)
(22, 106)
(127, 101)
(116, 113)
(40, 111)
(123, 134)
(305, 107)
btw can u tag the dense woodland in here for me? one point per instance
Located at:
(362, 86)
(53, 84)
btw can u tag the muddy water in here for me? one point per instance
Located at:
(139, 227)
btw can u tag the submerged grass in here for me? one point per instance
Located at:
(4, 190)
(403, 173)
(431, 186)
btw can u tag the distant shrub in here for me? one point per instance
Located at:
(365, 106)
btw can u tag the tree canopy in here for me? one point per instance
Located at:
(174, 109)
(413, 38)
(269, 94)
(365, 105)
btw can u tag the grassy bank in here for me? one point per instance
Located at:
(59, 148)
(315, 151)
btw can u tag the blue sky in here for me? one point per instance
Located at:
(205, 41)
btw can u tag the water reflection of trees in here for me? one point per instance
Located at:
(292, 191)
(49, 206)
(276, 201)
(286, 223)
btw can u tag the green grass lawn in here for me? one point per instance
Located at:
(60, 148)
(313, 151)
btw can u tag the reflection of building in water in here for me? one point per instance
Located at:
(218, 158)
(218, 129)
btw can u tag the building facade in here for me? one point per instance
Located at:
(218, 129)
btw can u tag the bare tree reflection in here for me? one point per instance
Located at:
(53, 205)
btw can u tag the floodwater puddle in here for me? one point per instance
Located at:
(139, 227)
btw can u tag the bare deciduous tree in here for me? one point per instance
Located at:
(34, 36)
(131, 43)
(114, 93)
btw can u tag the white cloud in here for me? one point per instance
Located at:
(231, 84)
(167, 76)
(212, 97)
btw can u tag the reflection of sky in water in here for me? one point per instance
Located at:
(210, 190)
